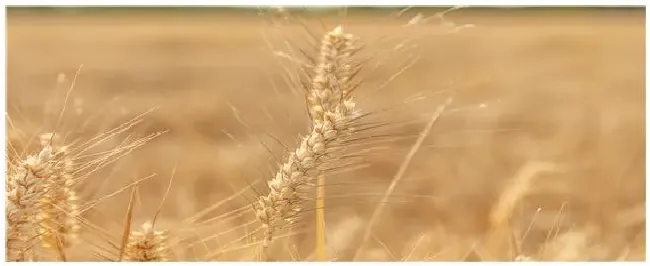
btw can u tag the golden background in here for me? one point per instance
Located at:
(560, 87)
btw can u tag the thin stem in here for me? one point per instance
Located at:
(398, 176)
(320, 219)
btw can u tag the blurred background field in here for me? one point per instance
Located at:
(564, 87)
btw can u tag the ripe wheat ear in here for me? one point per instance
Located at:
(332, 111)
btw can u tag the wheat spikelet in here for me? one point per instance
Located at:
(25, 183)
(147, 245)
(332, 111)
(331, 78)
(58, 222)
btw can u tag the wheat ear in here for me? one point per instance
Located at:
(25, 183)
(332, 112)
(147, 245)
(498, 239)
(333, 72)
(59, 208)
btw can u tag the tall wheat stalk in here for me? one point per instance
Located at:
(333, 72)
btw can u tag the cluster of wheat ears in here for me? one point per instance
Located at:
(44, 217)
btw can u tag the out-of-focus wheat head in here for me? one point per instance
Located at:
(147, 245)
(25, 188)
(498, 242)
(333, 113)
(59, 206)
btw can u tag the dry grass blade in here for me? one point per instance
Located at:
(84, 172)
(400, 172)
(127, 225)
(194, 218)
(65, 101)
(91, 204)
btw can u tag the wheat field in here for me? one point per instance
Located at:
(539, 156)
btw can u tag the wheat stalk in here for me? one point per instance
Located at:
(331, 84)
